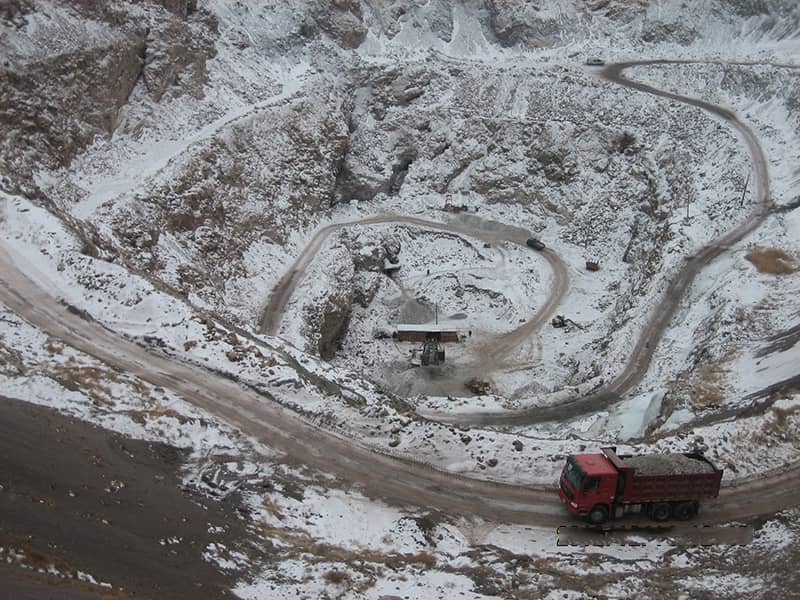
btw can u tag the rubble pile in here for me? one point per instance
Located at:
(667, 464)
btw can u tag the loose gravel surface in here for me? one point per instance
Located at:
(667, 464)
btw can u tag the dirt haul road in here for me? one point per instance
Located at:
(394, 480)
(499, 348)
(397, 481)
(642, 354)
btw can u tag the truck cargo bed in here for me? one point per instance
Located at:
(667, 464)
(665, 477)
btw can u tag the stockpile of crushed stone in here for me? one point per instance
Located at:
(667, 464)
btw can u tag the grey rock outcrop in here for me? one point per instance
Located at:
(13, 11)
(326, 311)
(388, 16)
(380, 154)
(175, 58)
(182, 8)
(52, 108)
(523, 23)
(56, 96)
(263, 177)
(341, 20)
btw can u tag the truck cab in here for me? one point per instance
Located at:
(588, 486)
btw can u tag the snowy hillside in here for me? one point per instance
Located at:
(214, 216)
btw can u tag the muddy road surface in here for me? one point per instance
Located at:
(642, 354)
(397, 481)
(490, 356)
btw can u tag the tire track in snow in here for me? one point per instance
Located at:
(642, 354)
(493, 355)
(401, 482)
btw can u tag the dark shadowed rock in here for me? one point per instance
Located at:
(340, 19)
(175, 59)
(54, 107)
(180, 7)
(522, 23)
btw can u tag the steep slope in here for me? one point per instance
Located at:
(163, 164)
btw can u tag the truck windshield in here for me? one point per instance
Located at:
(573, 473)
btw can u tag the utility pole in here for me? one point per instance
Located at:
(687, 206)
(691, 194)
(744, 191)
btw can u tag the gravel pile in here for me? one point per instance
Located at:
(667, 464)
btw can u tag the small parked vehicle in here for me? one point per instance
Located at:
(535, 244)
(595, 62)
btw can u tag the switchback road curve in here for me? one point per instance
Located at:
(397, 481)
(642, 354)
(394, 480)
(498, 349)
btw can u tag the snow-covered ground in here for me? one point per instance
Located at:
(680, 179)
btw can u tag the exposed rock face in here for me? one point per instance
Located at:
(669, 32)
(365, 287)
(761, 85)
(370, 253)
(621, 11)
(57, 95)
(335, 314)
(539, 23)
(175, 59)
(348, 272)
(326, 309)
(13, 11)
(367, 170)
(342, 20)
(387, 16)
(402, 134)
(391, 247)
(180, 7)
(50, 109)
(523, 23)
(422, 127)
(747, 8)
(223, 199)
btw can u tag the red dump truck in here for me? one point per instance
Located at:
(599, 487)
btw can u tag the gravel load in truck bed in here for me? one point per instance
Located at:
(667, 464)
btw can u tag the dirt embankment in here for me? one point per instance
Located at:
(84, 499)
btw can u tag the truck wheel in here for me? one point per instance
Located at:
(684, 511)
(660, 511)
(598, 515)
